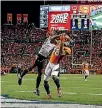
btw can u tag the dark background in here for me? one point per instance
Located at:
(32, 8)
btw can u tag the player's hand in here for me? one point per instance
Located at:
(62, 37)
(67, 37)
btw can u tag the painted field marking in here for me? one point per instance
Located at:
(69, 93)
(82, 87)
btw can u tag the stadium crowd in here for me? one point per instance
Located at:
(20, 43)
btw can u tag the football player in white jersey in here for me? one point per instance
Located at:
(43, 54)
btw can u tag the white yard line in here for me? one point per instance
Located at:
(82, 87)
(67, 93)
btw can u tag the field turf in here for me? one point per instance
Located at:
(74, 88)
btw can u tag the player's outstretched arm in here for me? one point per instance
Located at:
(67, 37)
(54, 37)
(68, 41)
(58, 36)
(62, 39)
(61, 51)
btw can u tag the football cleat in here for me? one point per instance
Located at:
(48, 96)
(37, 92)
(20, 81)
(59, 92)
(85, 79)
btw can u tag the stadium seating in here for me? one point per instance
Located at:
(20, 43)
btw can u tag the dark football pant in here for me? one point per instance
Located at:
(39, 63)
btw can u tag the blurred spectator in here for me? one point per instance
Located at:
(22, 42)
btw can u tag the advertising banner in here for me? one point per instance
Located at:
(59, 20)
(84, 9)
(19, 18)
(89, 1)
(72, 17)
(95, 17)
(74, 9)
(44, 16)
(25, 18)
(9, 17)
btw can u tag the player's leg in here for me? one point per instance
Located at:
(46, 78)
(38, 79)
(19, 70)
(57, 82)
(86, 75)
(47, 88)
(22, 74)
(55, 78)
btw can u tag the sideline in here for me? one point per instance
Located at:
(17, 103)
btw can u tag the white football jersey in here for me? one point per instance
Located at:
(47, 48)
(19, 65)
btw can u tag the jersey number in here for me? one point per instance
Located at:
(57, 52)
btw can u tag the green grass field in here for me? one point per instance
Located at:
(74, 88)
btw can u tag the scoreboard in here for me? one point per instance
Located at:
(71, 17)
(79, 22)
(44, 16)
(80, 17)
